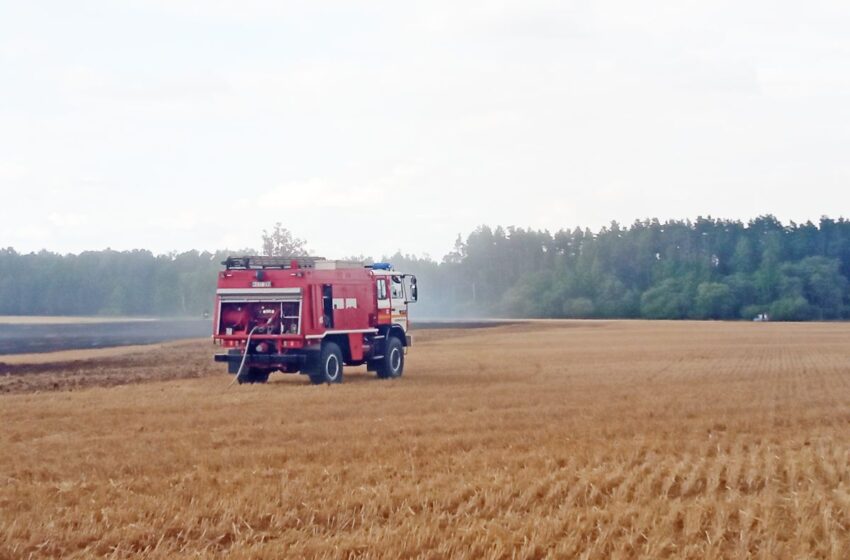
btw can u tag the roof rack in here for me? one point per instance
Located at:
(261, 262)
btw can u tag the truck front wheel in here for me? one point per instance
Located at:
(391, 365)
(329, 368)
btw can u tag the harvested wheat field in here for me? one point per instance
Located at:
(560, 439)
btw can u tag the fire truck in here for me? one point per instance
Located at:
(310, 315)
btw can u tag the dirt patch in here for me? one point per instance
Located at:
(66, 356)
(78, 369)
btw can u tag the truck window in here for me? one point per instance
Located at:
(290, 317)
(327, 306)
(382, 288)
(397, 288)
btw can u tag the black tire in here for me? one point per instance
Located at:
(254, 375)
(392, 363)
(329, 367)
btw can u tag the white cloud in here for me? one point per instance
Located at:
(11, 172)
(66, 219)
(314, 194)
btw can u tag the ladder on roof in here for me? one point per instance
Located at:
(258, 262)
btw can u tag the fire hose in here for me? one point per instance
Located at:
(247, 348)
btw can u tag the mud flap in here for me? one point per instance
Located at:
(233, 365)
(311, 361)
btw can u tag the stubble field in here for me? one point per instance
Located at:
(561, 439)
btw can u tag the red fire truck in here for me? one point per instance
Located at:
(311, 315)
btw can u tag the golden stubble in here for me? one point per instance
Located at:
(560, 439)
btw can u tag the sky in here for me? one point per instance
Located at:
(372, 127)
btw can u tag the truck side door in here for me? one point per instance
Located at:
(398, 305)
(382, 293)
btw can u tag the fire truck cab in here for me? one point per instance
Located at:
(311, 315)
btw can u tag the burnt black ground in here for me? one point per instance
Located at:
(34, 338)
(31, 338)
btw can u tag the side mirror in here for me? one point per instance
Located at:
(414, 290)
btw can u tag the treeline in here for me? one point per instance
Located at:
(108, 283)
(702, 269)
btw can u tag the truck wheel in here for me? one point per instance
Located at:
(392, 364)
(329, 368)
(254, 375)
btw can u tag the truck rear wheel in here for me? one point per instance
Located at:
(391, 365)
(254, 375)
(329, 368)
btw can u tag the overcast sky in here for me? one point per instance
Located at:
(368, 127)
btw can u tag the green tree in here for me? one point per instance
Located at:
(714, 301)
(791, 308)
(668, 300)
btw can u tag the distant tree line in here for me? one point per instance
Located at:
(121, 282)
(107, 283)
(702, 269)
